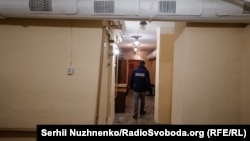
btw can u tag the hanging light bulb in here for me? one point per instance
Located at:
(136, 42)
(135, 49)
(116, 51)
(143, 25)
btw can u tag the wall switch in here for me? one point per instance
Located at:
(70, 70)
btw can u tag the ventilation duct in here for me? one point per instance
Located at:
(188, 10)
(103, 8)
(26, 8)
(178, 7)
(233, 8)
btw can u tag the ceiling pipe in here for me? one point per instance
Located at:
(164, 10)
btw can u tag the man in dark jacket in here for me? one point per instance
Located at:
(140, 84)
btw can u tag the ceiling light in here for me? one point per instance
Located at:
(135, 49)
(143, 25)
(116, 51)
(136, 42)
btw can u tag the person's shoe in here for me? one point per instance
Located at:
(143, 112)
(135, 117)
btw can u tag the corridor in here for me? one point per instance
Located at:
(126, 117)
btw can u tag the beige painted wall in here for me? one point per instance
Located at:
(207, 76)
(245, 113)
(107, 82)
(34, 86)
(179, 27)
(163, 81)
(151, 65)
(178, 80)
(130, 55)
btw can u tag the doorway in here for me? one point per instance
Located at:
(125, 68)
(132, 64)
(126, 101)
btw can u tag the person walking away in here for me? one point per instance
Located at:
(140, 85)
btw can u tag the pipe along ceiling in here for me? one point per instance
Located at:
(164, 10)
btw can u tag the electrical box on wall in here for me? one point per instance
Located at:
(70, 70)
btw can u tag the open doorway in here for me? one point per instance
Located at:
(125, 101)
(145, 50)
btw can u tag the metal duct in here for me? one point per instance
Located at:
(174, 10)
(233, 8)
(178, 7)
(31, 8)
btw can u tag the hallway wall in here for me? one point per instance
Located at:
(34, 86)
(245, 103)
(207, 76)
(164, 76)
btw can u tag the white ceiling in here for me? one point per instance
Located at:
(147, 36)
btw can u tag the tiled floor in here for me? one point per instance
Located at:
(127, 119)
